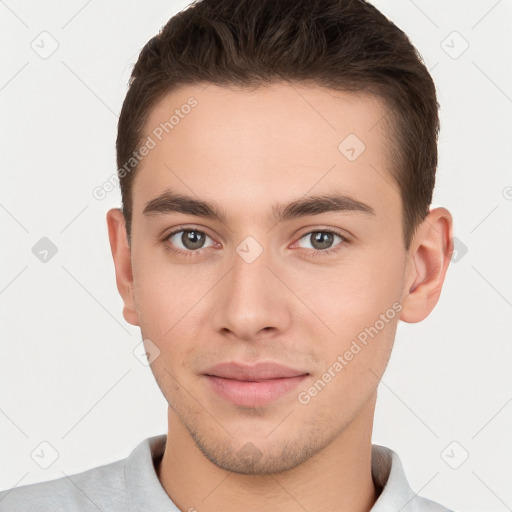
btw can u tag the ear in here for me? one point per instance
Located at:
(428, 258)
(122, 261)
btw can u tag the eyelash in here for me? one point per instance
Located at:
(169, 247)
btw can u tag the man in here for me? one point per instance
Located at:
(276, 162)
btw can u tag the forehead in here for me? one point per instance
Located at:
(268, 144)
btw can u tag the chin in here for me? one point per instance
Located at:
(261, 456)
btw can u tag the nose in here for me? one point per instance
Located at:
(251, 301)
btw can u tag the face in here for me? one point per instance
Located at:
(272, 325)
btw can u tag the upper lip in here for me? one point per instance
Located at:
(253, 372)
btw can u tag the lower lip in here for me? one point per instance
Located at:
(253, 394)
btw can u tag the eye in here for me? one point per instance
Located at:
(322, 241)
(188, 240)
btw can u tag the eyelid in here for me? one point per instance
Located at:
(347, 237)
(186, 227)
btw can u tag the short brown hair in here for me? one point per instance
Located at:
(346, 45)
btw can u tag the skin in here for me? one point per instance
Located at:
(247, 150)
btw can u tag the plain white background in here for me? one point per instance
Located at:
(68, 373)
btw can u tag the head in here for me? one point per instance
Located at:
(277, 162)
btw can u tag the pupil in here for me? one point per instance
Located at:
(322, 240)
(192, 239)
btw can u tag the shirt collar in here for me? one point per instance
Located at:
(147, 493)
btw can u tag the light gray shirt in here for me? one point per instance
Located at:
(132, 485)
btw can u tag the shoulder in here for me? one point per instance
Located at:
(129, 484)
(99, 488)
(395, 493)
(420, 504)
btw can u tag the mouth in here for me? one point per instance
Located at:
(253, 385)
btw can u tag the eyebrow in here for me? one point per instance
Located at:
(169, 202)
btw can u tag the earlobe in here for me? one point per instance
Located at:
(428, 259)
(122, 261)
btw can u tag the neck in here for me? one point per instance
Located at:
(338, 478)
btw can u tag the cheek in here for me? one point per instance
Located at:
(166, 293)
(360, 304)
(352, 365)
(352, 295)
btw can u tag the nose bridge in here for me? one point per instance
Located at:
(251, 298)
(250, 274)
